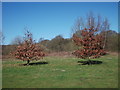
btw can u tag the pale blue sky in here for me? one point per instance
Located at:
(50, 19)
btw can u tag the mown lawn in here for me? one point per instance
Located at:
(61, 73)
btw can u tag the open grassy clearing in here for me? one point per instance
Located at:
(61, 73)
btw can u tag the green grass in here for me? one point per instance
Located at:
(61, 73)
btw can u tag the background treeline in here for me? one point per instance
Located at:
(58, 43)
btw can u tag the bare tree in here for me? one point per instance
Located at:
(105, 28)
(41, 39)
(2, 38)
(17, 40)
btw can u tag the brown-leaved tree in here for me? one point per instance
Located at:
(99, 23)
(28, 50)
(91, 44)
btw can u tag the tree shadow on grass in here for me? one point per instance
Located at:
(35, 63)
(89, 62)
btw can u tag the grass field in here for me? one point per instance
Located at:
(61, 73)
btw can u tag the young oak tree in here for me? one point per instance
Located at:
(91, 44)
(28, 50)
(91, 20)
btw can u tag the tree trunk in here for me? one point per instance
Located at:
(28, 62)
(89, 61)
(105, 40)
